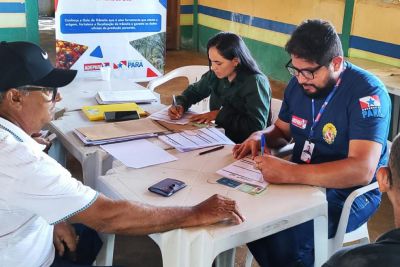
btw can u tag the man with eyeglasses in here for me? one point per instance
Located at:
(338, 116)
(385, 251)
(39, 198)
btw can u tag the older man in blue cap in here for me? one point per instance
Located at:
(38, 197)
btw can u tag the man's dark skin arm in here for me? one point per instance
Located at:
(125, 217)
(357, 169)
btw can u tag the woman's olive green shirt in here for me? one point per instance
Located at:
(243, 104)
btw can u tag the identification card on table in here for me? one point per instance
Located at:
(246, 188)
(251, 189)
(228, 182)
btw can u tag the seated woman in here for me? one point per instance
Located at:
(239, 93)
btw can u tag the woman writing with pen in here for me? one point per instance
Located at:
(239, 93)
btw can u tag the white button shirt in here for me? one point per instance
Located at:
(35, 193)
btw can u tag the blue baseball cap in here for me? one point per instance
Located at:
(24, 63)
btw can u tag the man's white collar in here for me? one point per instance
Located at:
(15, 130)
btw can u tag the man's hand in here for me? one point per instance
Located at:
(274, 170)
(64, 235)
(207, 117)
(175, 112)
(40, 139)
(216, 209)
(250, 146)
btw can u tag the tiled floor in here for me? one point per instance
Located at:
(142, 251)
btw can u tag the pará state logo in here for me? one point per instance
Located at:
(329, 133)
(370, 106)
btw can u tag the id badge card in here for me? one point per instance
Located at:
(307, 151)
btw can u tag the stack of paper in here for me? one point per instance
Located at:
(195, 139)
(118, 131)
(138, 96)
(243, 171)
(88, 142)
(162, 115)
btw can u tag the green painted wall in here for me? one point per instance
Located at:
(31, 30)
(271, 59)
(266, 26)
(32, 19)
(187, 37)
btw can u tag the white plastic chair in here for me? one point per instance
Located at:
(361, 233)
(341, 237)
(193, 73)
(275, 108)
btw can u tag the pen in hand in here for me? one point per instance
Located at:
(174, 111)
(262, 144)
(211, 150)
(173, 100)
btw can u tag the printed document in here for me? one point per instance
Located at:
(195, 139)
(243, 171)
(162, 115)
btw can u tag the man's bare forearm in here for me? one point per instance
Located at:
(124, 217)
(352, 173)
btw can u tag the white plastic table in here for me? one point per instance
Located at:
(79, 93)
(278, 208)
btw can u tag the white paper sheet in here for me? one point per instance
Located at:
(162, 115)
(138, 153)
(243, 171)
(195, 139)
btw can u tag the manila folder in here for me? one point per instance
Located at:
(121, 129)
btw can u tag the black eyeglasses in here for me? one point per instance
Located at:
(306, 73)
(51, 92)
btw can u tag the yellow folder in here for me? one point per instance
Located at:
(96, 113)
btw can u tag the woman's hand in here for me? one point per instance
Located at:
(175, 112)
(207, 117)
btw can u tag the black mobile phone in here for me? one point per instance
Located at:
(167, 187)
(121, 115)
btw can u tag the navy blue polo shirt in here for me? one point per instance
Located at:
(359, 110)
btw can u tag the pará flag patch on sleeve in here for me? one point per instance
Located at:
(370, 106)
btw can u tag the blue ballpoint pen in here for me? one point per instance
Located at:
(262, 144)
